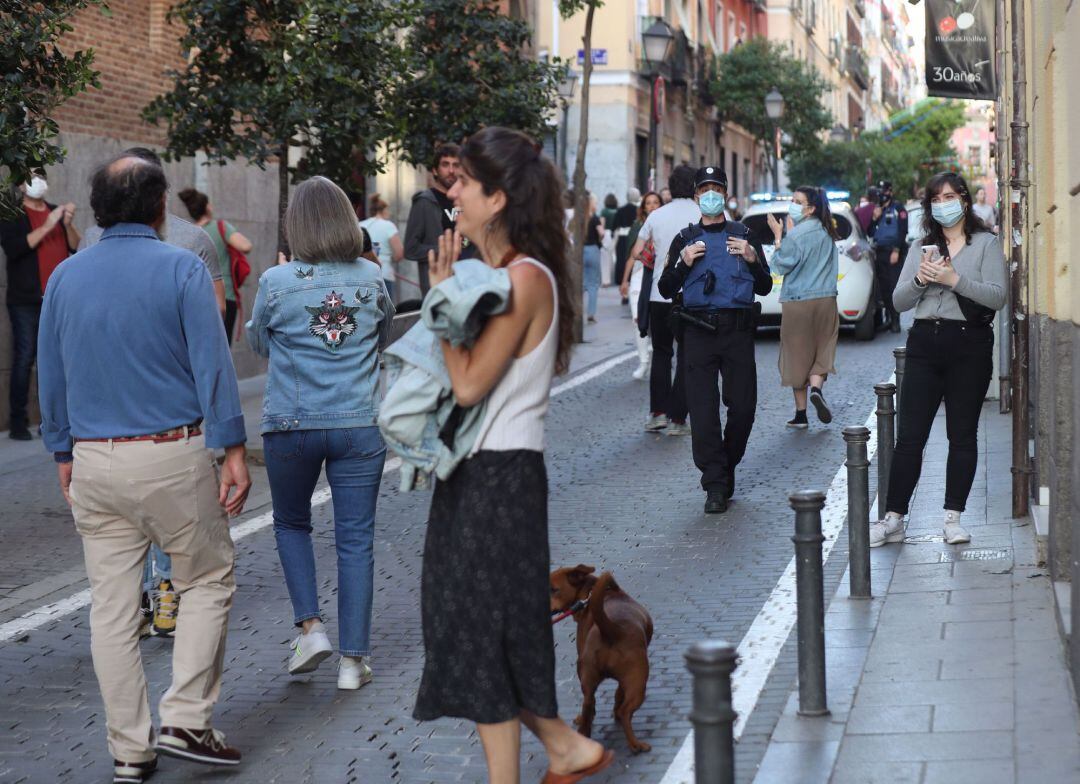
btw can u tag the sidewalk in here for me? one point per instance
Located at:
(955, 672)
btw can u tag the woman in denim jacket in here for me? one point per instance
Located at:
(321, 319)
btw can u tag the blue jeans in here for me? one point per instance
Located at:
(592, 278)
(158, 568)
(24, 330)
(354, 460)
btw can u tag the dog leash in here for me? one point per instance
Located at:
(577, 606)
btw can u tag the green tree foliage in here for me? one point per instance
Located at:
(916, 145)
(266, 75)
(35, 78)
(468, 66)
(746, 74)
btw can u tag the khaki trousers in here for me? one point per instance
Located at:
(125, 496)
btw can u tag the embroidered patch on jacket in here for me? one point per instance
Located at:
(332, 321)
(305, 274)
(362, 296)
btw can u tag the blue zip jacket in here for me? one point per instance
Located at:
(322, 326)
(809, 261)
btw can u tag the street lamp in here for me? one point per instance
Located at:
(838, 134)
(774, 108)
(566, 95)
(656, 45)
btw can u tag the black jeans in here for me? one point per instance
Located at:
(24, 332)
(665, 397)
(727, 355)
(887, 276)
(230, 319)
(950, 360)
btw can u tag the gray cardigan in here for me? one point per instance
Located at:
(981, 266)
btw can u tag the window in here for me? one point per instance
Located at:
(718, 25)
(742, 31)
(731, 30)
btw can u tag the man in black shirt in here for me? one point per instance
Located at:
(624, 220)
(717, 270)
(432, 212)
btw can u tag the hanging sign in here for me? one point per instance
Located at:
(960, 49)
(599, 56)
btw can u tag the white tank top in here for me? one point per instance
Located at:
(516, 407)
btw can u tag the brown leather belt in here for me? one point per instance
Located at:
(165, 436)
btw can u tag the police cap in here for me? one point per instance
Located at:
(707, 174)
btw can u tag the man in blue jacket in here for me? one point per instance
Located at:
(718, 270)
(136, 386)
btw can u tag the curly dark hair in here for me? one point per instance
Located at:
(127, 189)
(444, 150)
(933, 233)
(533, 220)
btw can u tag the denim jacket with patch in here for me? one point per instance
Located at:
(420, 420)
(322, 326)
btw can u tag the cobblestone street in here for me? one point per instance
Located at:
(621, 499)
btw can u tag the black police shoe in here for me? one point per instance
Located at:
(716, 502)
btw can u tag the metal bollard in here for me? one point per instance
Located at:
(711, 663)
(900, 355)
(886, 439)
(810, 596)
(858, 472)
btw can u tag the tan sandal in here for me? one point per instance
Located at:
(576, 776)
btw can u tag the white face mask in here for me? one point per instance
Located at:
(36, 188)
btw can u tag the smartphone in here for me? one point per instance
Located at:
(934, 251)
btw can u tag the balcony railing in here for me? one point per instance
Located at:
(890, 96)
(857, 68)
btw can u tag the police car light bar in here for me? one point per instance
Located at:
(838, 195)
(765, 196)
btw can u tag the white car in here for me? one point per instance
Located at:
(856, 298)
(914, 222)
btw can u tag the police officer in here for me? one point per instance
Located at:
(889, 230)
(718, 270)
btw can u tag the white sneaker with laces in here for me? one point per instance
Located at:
(658, 422)
(954, 532)
(641, 372)
(309, 651)
(887, 531)
(678, 429)
(353, 672)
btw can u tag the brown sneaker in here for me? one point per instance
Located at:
(205, 746)
(133, 772)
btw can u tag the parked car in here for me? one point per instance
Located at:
(914, 221)
(856, 298)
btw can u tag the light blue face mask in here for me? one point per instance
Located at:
(711, 203)
(948, 213)
(795, 211)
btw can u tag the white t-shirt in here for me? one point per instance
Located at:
(662, 226)
(986, 213)
(381, 230)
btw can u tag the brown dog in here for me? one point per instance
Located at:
(613, 636)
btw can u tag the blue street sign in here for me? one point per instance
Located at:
(599, 56)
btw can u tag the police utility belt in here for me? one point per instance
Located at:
(712, 320)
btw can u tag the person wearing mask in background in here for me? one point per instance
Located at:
(631, 282)
(385, 239)
(432, 212)
(224, 236)
(607, 246)
(718, 271)
(35, 244)
(864, 213)
(667, 399)
(985, 212)
(594, 240)
(956, 280)
(620, 227)
(665, 196)
(733, 211)
(889, 230)
(321, 320)
(809, 262)
(132, 426)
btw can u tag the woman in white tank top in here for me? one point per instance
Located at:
(491, 658)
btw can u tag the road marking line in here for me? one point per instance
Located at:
(40, 616)
(770, 630)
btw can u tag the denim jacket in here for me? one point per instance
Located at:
(809, 261)
(420, 420)
(322, 326)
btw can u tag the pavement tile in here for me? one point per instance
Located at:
(975, 717)
(970, 772)
(926, 747)
(813, 761)
(878, 773)
(978, 630)
(884, 720)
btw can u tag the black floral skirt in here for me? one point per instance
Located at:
(488, 646)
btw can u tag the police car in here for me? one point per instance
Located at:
(856, 298)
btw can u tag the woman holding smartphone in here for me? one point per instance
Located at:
(491, 658)
(955, 279)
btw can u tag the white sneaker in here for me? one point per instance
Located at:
(678, 429)
(641, 372)
(887, 531)
(954, 532)
(658, 422)
(353, 672)
(309, 651)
